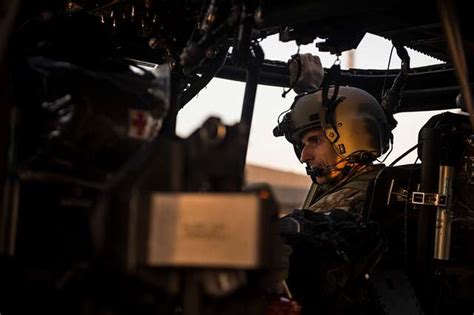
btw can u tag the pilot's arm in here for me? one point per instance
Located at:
(331, 254)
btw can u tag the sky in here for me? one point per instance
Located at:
(223, 99)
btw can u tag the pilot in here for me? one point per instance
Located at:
(338, 132)
(339, 144)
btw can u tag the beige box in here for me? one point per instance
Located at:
(205, 230)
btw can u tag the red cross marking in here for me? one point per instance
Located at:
(139, 122)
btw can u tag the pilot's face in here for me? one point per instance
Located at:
(318, 152)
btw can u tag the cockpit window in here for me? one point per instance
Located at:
(406, 134)
(373, 52)
(223, 98)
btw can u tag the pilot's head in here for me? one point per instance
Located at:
(332, 135)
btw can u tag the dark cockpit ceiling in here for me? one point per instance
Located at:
(415, 24)
(340, 24)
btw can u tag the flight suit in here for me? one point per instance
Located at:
(348, 195)
(334, 248)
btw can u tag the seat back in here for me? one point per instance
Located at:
(388, 203)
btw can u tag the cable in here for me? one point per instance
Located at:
(201, 11)
(356, 157)
(386, 72)
(353, 173)
(389, 152)
(406, 214)
(405, 154)
(281, 114)
(298, 74)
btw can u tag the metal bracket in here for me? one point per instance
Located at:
(428, 199)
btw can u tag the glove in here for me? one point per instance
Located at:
(329, 251)
(307, 74)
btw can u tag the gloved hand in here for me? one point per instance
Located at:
(306, 74)
(329, 251)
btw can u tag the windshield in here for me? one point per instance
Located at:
(373, 52)
(223, 99)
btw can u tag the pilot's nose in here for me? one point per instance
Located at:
(306, 154)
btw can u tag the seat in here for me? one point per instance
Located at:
(388, 203)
